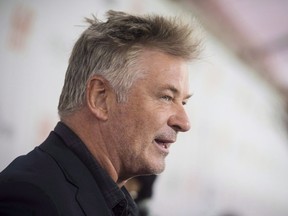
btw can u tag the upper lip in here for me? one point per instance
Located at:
(164, 140)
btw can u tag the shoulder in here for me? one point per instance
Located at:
(23, 198)
(53, 175)
(35, 184)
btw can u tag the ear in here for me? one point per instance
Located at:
(96, 97)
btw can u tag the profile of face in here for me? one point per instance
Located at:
(143, 128)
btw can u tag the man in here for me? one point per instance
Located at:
(121, 107)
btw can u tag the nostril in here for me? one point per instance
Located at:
(177, 128)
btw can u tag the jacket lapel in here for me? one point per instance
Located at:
(88, 194)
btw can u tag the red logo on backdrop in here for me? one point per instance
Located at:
(20, 27)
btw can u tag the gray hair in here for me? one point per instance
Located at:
(111, 49)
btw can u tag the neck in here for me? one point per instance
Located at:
(90, 133)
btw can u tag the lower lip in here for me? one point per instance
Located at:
(162, 148)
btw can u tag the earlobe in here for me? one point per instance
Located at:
(96, 97)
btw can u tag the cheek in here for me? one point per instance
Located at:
(130, 123)
(142, 119)
(160, 115)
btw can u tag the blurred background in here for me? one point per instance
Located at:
(234, 160)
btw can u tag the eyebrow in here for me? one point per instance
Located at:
(175, 91)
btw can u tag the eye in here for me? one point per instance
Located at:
(167, 98)
(184, 102)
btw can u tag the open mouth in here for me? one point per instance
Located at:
(162, 143)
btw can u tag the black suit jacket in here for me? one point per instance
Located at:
(50, 180)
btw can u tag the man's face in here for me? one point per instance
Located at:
(143, 128)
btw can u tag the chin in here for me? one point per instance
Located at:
(155, 169)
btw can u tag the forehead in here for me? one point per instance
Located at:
(150, 59)
(164, 70)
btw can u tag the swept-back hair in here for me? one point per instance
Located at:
(111, 49)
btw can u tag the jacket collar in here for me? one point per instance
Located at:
(88, 194)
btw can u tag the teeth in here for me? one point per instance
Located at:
(164, 145)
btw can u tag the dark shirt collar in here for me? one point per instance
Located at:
(118, 200)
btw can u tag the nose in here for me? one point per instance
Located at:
(179, 121)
